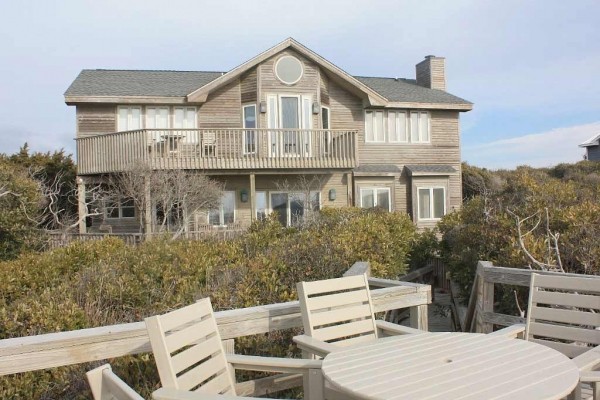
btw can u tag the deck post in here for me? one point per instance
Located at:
(419, 318)
(485, 302)
(147, 208)
(252, 197)
(349, 188)
(81, 206)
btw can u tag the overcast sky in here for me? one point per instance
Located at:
(531, 67)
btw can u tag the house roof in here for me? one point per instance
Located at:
(103, 82)
(98, 85)
(430, 169)
(378, 168)
(593, 141)
(407, 90)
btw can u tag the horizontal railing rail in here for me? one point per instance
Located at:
(65, 348)
(217, 149)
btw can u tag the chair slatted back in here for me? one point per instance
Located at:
(564, 312)
(338, 311)
(188, 350)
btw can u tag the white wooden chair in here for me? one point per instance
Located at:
(105, 385)
(563, 313)
(190, 356)
(339, 312)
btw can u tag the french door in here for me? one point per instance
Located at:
(291, 116)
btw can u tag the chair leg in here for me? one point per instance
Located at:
(576, 394)
(314, 385)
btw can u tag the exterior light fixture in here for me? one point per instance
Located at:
(316, 107)
(332, 194)
(244, 196)
(263, 107)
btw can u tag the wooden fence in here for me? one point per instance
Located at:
(73, 347)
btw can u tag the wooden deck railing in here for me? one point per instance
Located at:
(479, 315)
(65, 348)
(217, 149)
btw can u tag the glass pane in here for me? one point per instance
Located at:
(279, 205)
(178, 118)
(297, 201)
(123, 119)
(162, 119)
(261, 205)
(315, 201)
(424, 127)
(128, 212)
(392, 127)
(369, 126)
(150, 118)
(383, 199)
(414, 127)
(402, 127)
(214, 217)
(367, 199)
(250, 117)
(190, 118)
(136, 115)
(289, 112)
(379, 134)
(325, 117)
(424, 204)
(228, 206)
(438, 203)
(289, 69)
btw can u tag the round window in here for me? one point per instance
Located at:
(288, 69)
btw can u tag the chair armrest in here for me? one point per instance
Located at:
(314, 346)
(178, 394)
(513, 331)
(272, 364)
(589, 360)
(395, 329)
(589, 376)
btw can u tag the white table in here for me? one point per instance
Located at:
(450, 366)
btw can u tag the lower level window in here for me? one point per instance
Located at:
(225, 214)
(261, 205)
(120, 208)
(375, 198)
(432, 202)
(292, 208)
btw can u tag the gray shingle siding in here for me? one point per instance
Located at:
(593, 153)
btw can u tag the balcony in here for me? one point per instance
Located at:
(218, 149)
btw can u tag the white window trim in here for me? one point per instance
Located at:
(119, 201)
(304, 125)
(408, 127)
(431, 202)
(254, 129)
(397, 122)
(277, 75)
(185, 108)
(129, 117)
(374, 189)
(221, 213)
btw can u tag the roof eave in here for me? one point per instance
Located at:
(431, 106)
(74, 100)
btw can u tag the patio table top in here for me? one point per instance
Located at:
(450, 366)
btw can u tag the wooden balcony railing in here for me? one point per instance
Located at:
(217, 149)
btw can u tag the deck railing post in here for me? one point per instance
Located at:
(419, 318)
(485, 301)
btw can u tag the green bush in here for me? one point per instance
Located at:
(91, 284)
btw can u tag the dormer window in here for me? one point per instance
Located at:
(288, 70)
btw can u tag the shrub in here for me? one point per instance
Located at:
(91, 284)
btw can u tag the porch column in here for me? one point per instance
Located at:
(147, 209)
(81, 206)
(349, 188)
(252, 197)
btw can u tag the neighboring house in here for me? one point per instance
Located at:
(288, 112)
(592, 148)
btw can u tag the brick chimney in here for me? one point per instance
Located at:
(431, 73)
